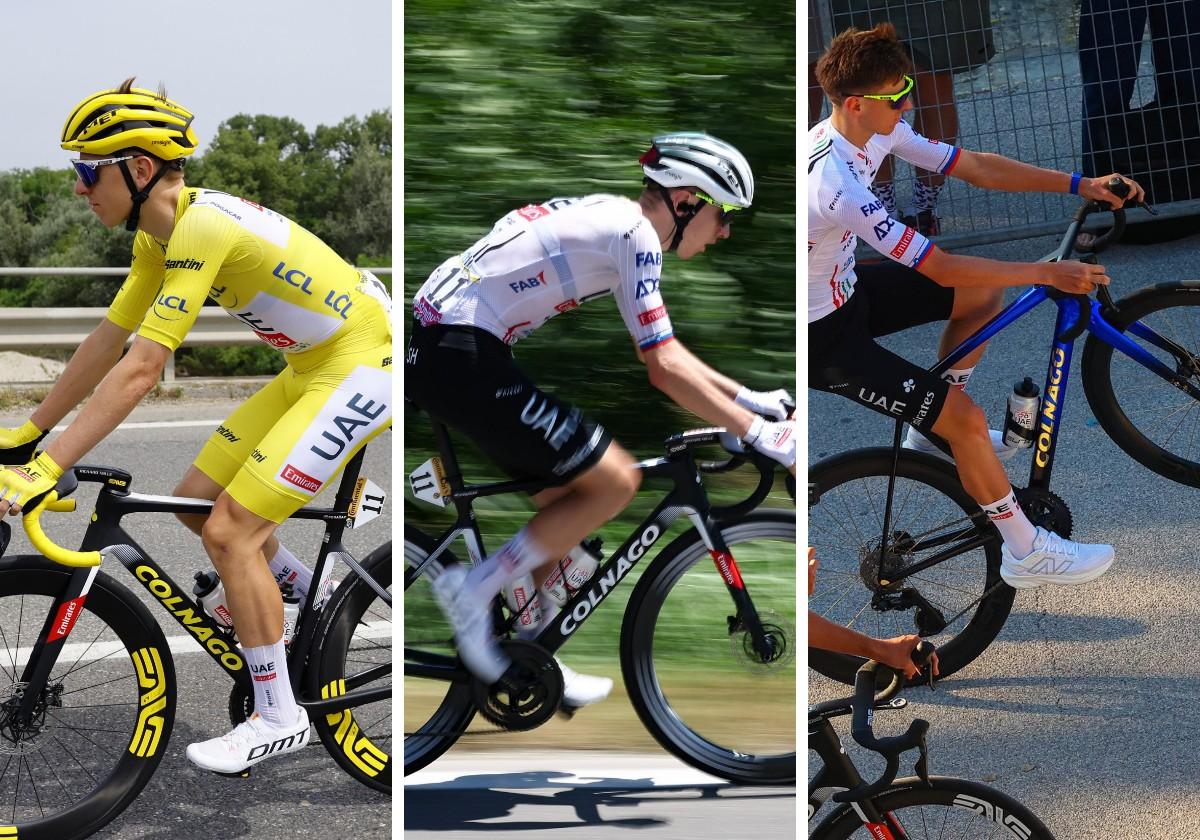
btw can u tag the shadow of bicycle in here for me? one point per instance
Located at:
(474, 802)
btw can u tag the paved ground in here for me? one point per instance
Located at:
(1085, 707)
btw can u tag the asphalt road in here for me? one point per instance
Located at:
(300, 796)
(1085, 707)
(589, 796)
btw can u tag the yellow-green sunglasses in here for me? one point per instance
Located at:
(895, 99)
(727, 210)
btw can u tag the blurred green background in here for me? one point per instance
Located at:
(512, 103)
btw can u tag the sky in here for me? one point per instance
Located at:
(313, 60)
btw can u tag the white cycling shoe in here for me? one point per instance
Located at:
(1055, 560)
(917, 442)
(471, 618)
(248, 743)
(582, 689)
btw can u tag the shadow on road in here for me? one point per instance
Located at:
(464, 803)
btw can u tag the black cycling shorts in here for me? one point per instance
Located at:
(843, 357)
(466, 378)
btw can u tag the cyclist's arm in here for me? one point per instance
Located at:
(87, 366)
(997, 172)
(960, 270)
(124, 387)
(826, 635)
(678, 373)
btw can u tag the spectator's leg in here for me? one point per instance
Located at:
(1110, 46)
(935, 117)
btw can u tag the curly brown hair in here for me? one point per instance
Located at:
(859, 61)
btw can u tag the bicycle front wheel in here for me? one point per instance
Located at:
(101, 721)
(959, 603)
(1153, 421)
(436, 713)
(355, 643)
(945, 809)
(689, 662)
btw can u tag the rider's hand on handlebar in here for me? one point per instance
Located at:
(1075, 278)
(20, 484)
(1097, 190)
(775, 440)
(896, 653)
(774, 404)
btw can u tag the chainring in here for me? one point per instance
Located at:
(528, 694)
(1047, 510)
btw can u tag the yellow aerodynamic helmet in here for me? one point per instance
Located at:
(126, 118)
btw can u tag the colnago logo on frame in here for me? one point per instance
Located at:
(614, 575)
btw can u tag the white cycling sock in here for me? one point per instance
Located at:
(273, 698)
(957, 377)
(519, 556)
(1012, 523)
(287, 569)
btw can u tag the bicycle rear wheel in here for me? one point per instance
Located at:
(436, 713)
(355, 643)
(932, 515)
(945, 809)
(103, 718)
(689, 665)
(1153, 421)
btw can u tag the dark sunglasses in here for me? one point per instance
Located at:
(86, 169)
(726, 210)
(895, 99)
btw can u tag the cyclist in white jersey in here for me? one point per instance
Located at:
(864, 74)
(539, 261)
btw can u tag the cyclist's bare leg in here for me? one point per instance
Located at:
(973, 307)
(964, 426)
(196, 485)
(235, 538)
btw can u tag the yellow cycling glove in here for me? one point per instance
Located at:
(17, 445)
(20, 484)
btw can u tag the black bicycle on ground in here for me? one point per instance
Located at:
(87, 680)
(920, 807)
(707, 654)
(905, 549)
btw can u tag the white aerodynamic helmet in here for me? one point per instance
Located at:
(696, 159)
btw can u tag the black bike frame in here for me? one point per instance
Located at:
(686, 496)
(105, 532)
(1076, 314)
(837, 772)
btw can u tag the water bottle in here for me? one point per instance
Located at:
(291, 612)
(519, 593)
(573, 571)
(1023, 406)
(210, 592)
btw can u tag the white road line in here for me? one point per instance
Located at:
(88, 652)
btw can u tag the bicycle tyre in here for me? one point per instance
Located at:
(453, 712)
(146, 681)
(961, 810)
(660, 708)
(846, 505)
(359, 741)
(1151, 407)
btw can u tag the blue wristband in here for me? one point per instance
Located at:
(1075, 179)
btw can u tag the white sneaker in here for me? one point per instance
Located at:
(1055, 560)
(582, 689)
(917, 442)
(248, 743)
(471, 618)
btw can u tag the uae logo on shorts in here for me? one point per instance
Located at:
(302, 480)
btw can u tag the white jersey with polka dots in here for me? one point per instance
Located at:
(842, 208)
(543, 259)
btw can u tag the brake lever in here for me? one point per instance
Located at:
(921, 768)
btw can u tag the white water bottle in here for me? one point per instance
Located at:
(1023, 404)
(572, 572)
(517, 595)
(210, 592)
(291, 612)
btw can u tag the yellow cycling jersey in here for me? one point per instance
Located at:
(274, 276)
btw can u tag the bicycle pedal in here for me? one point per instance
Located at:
(241, 774)
(568, 710)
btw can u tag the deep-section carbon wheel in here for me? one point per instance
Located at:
(700, 684)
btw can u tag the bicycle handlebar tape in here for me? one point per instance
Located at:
(45, 545)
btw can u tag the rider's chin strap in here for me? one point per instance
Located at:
(137, 195)
(681, 221)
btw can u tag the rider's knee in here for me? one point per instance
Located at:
(961, 418)
(232, 531)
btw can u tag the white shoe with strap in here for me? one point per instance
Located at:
(251, 741)
(582, 689)
(917, 442)
(1055, 560)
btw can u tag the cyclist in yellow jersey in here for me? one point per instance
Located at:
(278, 449)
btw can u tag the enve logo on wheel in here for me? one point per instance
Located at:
(151, 701)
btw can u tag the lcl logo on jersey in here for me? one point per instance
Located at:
(174, 304)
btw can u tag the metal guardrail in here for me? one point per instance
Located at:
(57, 328)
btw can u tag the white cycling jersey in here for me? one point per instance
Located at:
(842, 208)
(547, 258)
